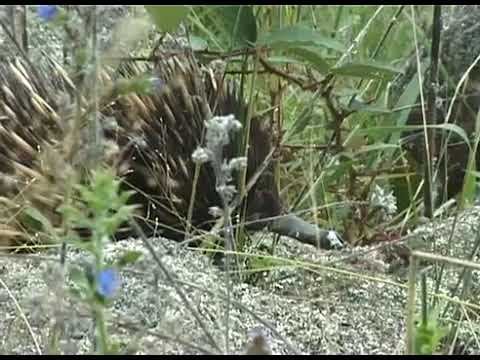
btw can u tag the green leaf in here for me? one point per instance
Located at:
(101, 300)
(469, 192)
(77, 275)
(313, 56)
(428, 335)
(264, 263)
(297, 36)
(39, 218)
(305, 117)
(470, 187)
(455, 129)
(369, 70)
(82, 56)
(114, 349)
(141, 85)
(357, 105)
(80, 284)
(370, 148)
(446, 127)
(129, 258)
(283, 60)
(240, 21)
(406, 99)
(167, 17)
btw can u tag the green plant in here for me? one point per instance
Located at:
(101, 209)
(428, 334)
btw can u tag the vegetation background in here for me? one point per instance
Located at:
(337, 84)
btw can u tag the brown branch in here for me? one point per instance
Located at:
(313, 86)
(245, 72)
(280, 73)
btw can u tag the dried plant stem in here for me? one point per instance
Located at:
(22, 314)
(412, 277)
(192, 199)
(230, 247)
(174, 283)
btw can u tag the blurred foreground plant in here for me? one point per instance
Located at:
(101, 209)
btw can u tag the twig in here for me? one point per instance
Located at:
(280, 73)
(22, 314)
(411, 306)
(176, 339)
(172, 281)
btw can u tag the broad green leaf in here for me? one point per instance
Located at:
(297, 36)
(446, 127)
(358, 105)
(407, 98)
(38, 217)
(240, 21)
(370, 70)
(312, 55)
(283, 60)
(455, 129)
(475, 174)
(226, 26)
(469, 192)
(370, 148)
(167, 17)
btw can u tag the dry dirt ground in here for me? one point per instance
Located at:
(346, 302)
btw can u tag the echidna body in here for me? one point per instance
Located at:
(148, 139)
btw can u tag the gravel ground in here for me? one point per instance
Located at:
(360, 311)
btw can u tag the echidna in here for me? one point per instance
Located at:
(458, 51)
(148, 138)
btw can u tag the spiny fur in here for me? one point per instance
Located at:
(148, 139)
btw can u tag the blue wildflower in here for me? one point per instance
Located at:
(108, 281)
(157, 83)
(47, 12)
